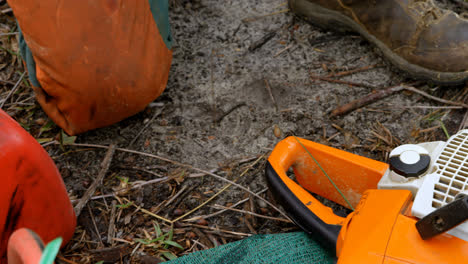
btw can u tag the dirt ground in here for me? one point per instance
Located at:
(230, 98)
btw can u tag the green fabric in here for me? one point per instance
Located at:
(50, 251)
(160, 10)
(28, 59)
(286, 248)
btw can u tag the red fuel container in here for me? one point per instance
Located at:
(32, 192)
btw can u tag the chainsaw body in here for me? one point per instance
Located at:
(32, 193)
(382, 228)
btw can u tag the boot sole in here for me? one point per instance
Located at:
(330, 19)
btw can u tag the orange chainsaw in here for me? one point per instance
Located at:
(412, 210)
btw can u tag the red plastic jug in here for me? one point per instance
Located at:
(32, 192)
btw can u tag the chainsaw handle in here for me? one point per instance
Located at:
(350, 173)
(300, 212)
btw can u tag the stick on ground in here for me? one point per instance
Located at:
(111, 229)
(157, 112)
(267, 85)
(368, 99)
(353, 71)
(330, 80)
(104, 168)
(373, 97)
(182, 165)
(259, 43)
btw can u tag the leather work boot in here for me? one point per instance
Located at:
(415, 35)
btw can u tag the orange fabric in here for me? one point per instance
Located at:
(98, 61)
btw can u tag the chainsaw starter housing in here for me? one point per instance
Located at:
(444, 180)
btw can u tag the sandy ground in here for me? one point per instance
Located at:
(230, 99)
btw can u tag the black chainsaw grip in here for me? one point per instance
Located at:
(443, 219)
(326, 234)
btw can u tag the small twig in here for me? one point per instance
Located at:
(213, 92)
(179, 199)
(429, 129)
(198, 175)
(66, 260)
(156, 114)
(95, 226)
(123, 241)
(252, 19)
(222, 116)
(148, 212)
(135, 185)
(368, 99)
(267, 85)
(6, 11)
(203, 237)
(333, 136)
(252, 213)
(250, 206)
(223, 210)
(353, 71)
(9, 34)
(393, 106)
(219, 230)
(182, 190)
(104, 168)
(135, 249)
(283, 50)
(414, 90)
(219, 192)
(7, 82)
(236, 30)
(213, 240)
(111, 229)
(259, 43)
(384, 139)
(464, 121)
(373, 97)
(196, 242)
(143, 170)
(326, 79)
(13, 89)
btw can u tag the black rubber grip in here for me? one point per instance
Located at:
(326, 234)
(443, 219)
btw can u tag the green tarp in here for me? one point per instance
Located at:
(289, 248)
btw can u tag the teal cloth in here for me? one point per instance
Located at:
(28, 59)
(289, 248)
(160, 10)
